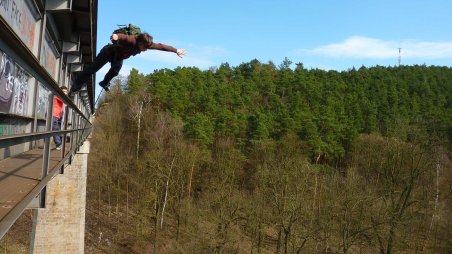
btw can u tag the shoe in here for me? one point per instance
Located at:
(58, 148)
(104, 86)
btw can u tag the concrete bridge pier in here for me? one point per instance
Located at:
(60, 226)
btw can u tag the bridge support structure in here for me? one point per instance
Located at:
(60, 226)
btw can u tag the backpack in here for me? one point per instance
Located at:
(130, 29)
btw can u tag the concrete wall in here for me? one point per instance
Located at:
(60, 226)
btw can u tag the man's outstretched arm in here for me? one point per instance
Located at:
(163, 47)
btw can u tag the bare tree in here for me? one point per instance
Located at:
(396, 170)
(166, 192)
(137, 104)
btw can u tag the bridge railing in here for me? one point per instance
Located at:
(75, 129)
(43, 44)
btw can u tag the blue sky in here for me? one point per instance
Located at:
(324, 34)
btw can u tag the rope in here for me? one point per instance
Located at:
(97, 99)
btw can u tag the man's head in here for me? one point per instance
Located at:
(64, 89)
(144, 41)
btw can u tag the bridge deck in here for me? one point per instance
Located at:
(20, 174)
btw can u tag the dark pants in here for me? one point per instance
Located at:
(56, 126)
(106, 54)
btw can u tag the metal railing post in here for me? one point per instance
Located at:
(77, 123)
(73, 134)
(46, 154)
(64, 127)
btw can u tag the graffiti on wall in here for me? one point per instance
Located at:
(43, 101)
(18, 15)
(11, 126)
(6, 82)
(48, 58)
(14, 87)
(19, 104)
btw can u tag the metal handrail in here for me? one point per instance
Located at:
(46, 175)
(16, 211)
(9, 140)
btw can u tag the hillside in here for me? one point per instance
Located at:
(262, 159)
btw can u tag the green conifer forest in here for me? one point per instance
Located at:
(265, 158)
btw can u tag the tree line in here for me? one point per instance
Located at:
(327, 109)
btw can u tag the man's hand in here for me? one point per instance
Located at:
(180, 52)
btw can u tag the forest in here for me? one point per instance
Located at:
(260, 158)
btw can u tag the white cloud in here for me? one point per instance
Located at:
(364, 47)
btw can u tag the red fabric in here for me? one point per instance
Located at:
(57, 107)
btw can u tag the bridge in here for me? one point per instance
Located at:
(43, 45)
